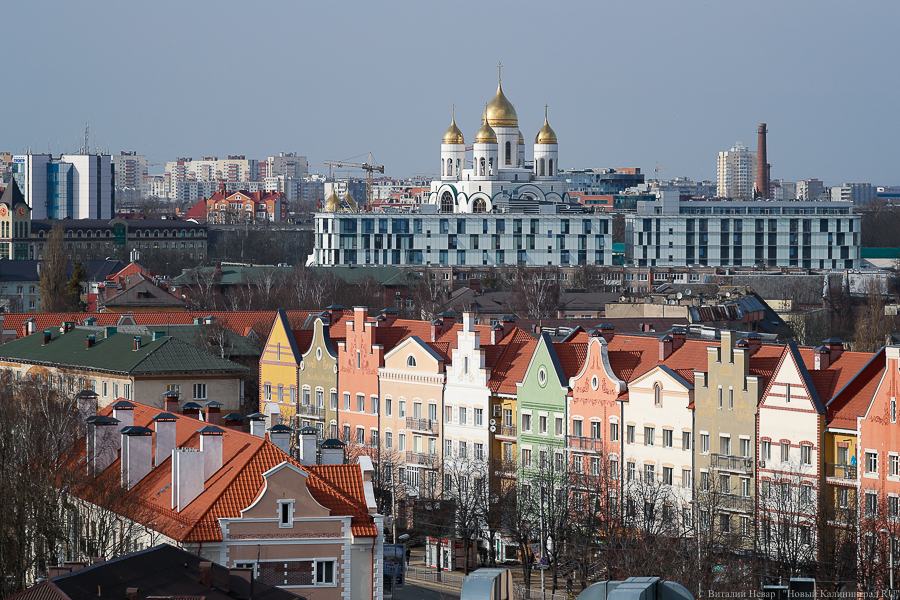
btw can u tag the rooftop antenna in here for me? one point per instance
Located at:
(86, 148)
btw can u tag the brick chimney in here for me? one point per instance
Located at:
(679, 336)
(835, 348)
(213, 412)
(390, 315)
(608, 331)
(666, 344)
(448, 318)
(754, 340)
(335, 312)
(437, 327)
(164, 423)
(137, 450)
(47, 337)
(91, 340)
(192, 410)
(233, 421)
(28, 327)
(822, 358)
(206, 574)
(509, 323)
(761, 189)
(171, 401)
(496, 333)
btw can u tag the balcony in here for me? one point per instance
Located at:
(727, 462)
(508, 431)
(588, 481)
(421, 458)
(735, 502)
(505, 467)
(308, 410)
(584, 444)
(418, 424)
(843, 473)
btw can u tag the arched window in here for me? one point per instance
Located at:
(491, 166)
(446, 202)
(449, 166)
(137, 233)
(509, 153)
(542, 167)
(479, 206)
(78, 234)
(411, 361)
(550, 168)
(457, 165)
(657, 395)
(482, 167)
(466, 359)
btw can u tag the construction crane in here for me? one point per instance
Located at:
(657, 170)
(367, 166)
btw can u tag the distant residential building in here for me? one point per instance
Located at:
(779, 189)
(686, 188)
(130, 176)
(736, 172)
(601, 181)
(286, 164)
(857, 193)
(211, 168)
(610, 202)
(811, 235)
(810, 189)
(226, 208)
(73, 186)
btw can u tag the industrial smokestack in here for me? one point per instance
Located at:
(762, 164)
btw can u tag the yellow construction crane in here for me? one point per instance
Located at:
(657, 170)
(367, 166)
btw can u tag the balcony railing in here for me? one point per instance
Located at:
(508, 466)
(421, 458)
(309, 410)
(587, 481)
(735, 502)
(506, 430)
(587, 444)
(731, 463)
(840, 471)
(421, 424)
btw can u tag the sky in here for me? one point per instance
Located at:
(629, 84)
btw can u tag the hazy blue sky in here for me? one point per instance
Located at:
(628, 83)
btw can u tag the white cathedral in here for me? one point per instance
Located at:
(498, 179)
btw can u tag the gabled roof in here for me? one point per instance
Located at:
(233, 487)
(139, 290)
(12, 195)
(511, 366)
(115, 354)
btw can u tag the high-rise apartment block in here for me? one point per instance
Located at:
(810, 189)
(75, 186)
(857, 193)
(736, 171)
(286, 164)
(130, 175)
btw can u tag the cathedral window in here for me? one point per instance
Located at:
(550, 168)
(491, 166)
(479, 206)
(482, 167)
(508, 153)
(449, 166)
(446, 202)
(541, 167)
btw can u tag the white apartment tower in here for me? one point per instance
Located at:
(131, 175)
(75, 186)
(736, 173)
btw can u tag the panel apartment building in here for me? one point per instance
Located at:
(670, 232)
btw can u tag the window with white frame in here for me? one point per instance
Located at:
(614, 432)
(686, 478)
(388, 440)
(785, 452)
(765, 450)
(704, 443)
(285, 513)
(894, 465)
(388, 407)
(346, 401)
(745, 448)
(526, 422)
(871, 462)
(649, 436)
(649, 473)
(334, 397)
(685, 440)
(559, 425)
(667, 475)
(526, 457)
(542, 424)
(401, 441)
(479, 417)
(360, 403)
(667, 438)
(325, 572)
(871, 504)
(401, 408)
(806, 454)
(629, 434)
(893, 507)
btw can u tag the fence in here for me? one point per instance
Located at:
(455, 580)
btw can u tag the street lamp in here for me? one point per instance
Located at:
(891, 554)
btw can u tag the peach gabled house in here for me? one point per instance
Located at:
(235, 498)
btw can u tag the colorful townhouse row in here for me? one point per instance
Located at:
(788, 441)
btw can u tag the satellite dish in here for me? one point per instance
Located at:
(687, 292)
(679, 295)
(493, 421)
(622, 298)
(493, 428)
(671, 303)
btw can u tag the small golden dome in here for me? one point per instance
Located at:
(332, 202)
(545, 135)
(500, 111)
(521, 138)
(486, 134)
(350, 201)
(453, 135)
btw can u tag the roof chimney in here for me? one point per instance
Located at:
(137, 445)
(47, 337)
(335, 312)
(754, 343)
(91, 340)
(28, 327)
(137, 343)
(496, 333)
(448, 318)
(835, 348)
(280, 435)
(608, 331)
(131, 593)
(679, 335)
(87, 407)
(509, 323)
(233, 421)
(213, 412)
(192, 410)
(390, 315)
(307, 445)
(437, 327)
(332, 452)
(123, 410)
(187, 476)
(822, 357)
(211, 447)
(206, 574)
(171, 401)
(665, 347)
(164, 423)
(257, 424)
(104, 446)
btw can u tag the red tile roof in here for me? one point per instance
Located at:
(571, 357)
(511, 366)
(854, 400)
(233, 487)
(303, 338)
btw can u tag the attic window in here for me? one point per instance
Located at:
(285, 513)
(411, 361)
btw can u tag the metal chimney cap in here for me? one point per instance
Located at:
(256, 416)
(135, 430)
(280, 429)
(233, 417)
(123, 405)
(165, 416)
(211, 430)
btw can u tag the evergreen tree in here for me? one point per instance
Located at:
(53, 279)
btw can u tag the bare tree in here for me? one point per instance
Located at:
(535, 293)
(53, 274)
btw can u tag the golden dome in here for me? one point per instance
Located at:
(332, 202)
(453, 135)
(350, 201)
(521, 138)
(486, 134)
(500, 111)
(545, 135)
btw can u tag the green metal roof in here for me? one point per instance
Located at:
(619, 247)
(879, 252)
(233, 274)
(114, 353)
(195, 335)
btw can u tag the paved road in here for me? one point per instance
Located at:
(420, 591)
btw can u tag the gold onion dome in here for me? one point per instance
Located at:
(349, 200)
(486, 134)
(545, 135)
(453, 135)
(332, 202)
(521, 138)
(500, 111)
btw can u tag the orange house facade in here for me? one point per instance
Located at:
(360, 356)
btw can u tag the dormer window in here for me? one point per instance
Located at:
(411, 361)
